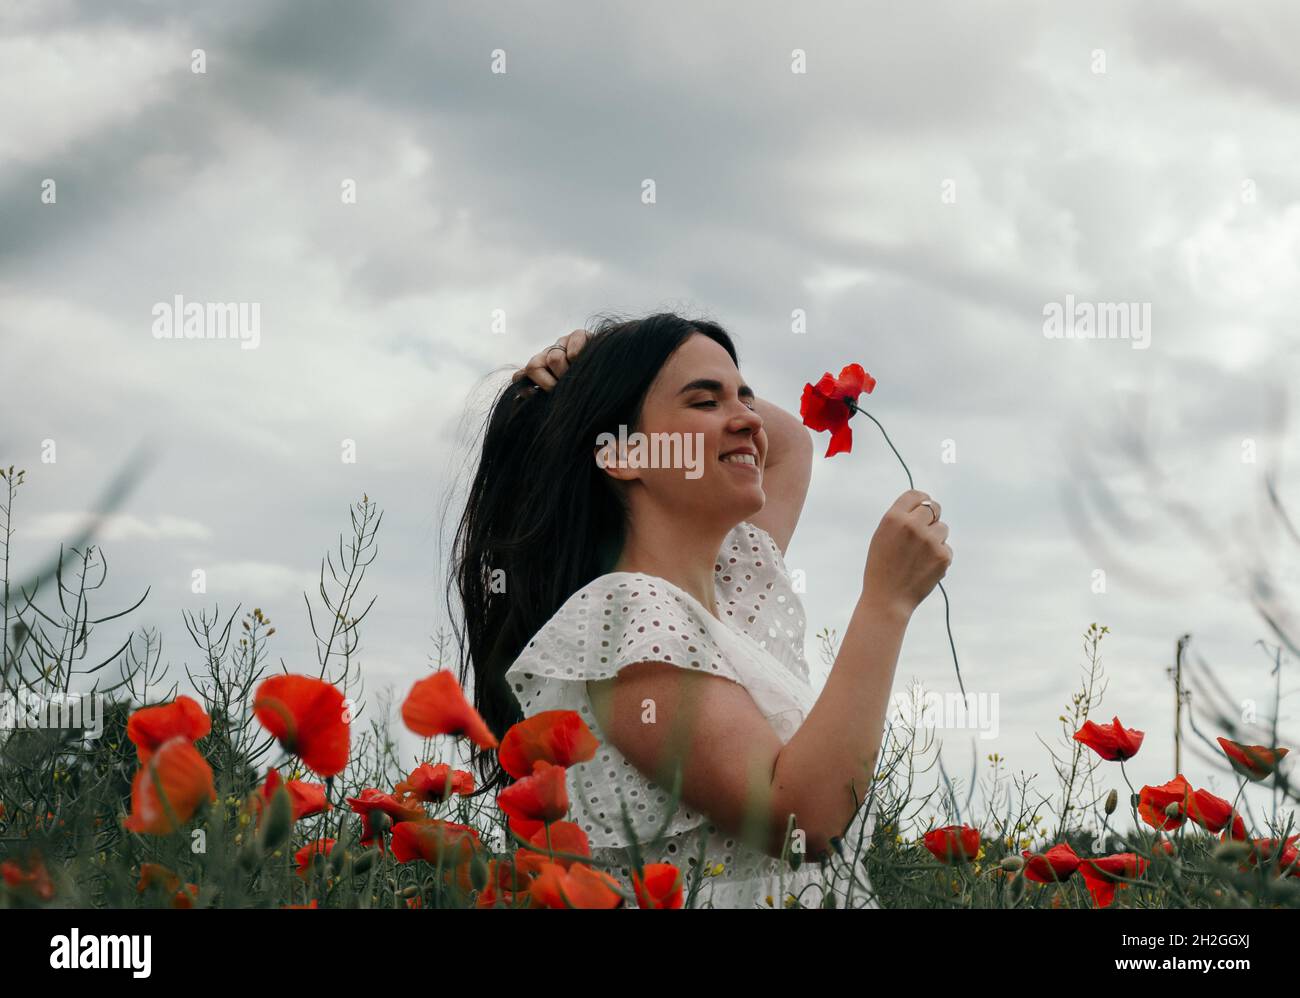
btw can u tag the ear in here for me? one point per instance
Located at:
(612, 459)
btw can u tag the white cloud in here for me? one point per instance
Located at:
(118, 527)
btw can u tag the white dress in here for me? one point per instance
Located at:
(624, 617)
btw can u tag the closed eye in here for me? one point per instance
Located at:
(711, 402)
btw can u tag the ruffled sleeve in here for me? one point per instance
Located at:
(612, 622)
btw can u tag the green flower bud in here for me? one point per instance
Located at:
(277, 822)
(478, 871)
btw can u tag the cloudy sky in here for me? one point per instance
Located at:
(923, 181)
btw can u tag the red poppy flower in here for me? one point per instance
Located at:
(437, 706)
(1210, 812)
(436, 783)
(525, 828)
(1153, 803)
(823, 406)
(541, 796)
(577, 887)
(307, 715)
(1102, 874)
(149, 727)
(185, 781)
(186, 896)
(34, 881)
(1058, 863)
(1264, 851)
(660, 888)
(1110, 741)
(953, 843)
(434, 841)
(1237, 832)
(304, 856)
(397, 810)
(307, 798)
(566, 837)
(507, 887)
(155, 874)
(1255, 762)
(559, 737)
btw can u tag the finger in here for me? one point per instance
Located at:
(923, 512)
(575, 341)
(557, 362)
(910, 499)
(540, 376)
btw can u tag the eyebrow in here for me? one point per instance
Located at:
(708, 384)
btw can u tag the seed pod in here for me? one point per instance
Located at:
(1232, 851)
(278, 821)
(1012, 864)
(250, 856)
(1112, 801)
(478, 872)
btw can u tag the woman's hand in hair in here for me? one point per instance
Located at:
(544, 368)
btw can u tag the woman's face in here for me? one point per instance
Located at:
(700, 397)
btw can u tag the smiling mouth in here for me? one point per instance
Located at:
(743, 460)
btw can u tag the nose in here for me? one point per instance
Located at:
(750, 421)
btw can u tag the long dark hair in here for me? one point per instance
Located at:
(539, 509)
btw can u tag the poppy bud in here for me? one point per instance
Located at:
(278, 822)
(410, 892)
(829, 900)
(1017, 889)
(337, 857)
(1232, 851)
(478, 871)
(1173, 809)
(365, 861)
(1112, 801)
(1012, 864)
(380, 822)
(250, 856)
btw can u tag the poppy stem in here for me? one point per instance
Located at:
(947, 609)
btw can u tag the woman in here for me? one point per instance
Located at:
(655, 601)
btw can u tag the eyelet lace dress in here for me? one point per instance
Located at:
(622, 618)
